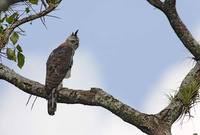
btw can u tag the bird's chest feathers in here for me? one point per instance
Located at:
(68, 74)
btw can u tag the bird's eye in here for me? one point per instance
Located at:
(73, 41)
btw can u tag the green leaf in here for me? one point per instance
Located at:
(14, 38)
(11, 54)
(12, 18)
(1, 29)
(20, 59)
(2, 19)
(19, 48)
(33, 1)
(27, 10)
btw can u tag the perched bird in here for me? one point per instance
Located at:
(58, 67)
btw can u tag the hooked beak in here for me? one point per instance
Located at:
(76, 32)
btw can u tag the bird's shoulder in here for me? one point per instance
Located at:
(62, 49)
(61, 53)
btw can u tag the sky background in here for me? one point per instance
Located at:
(126, 47)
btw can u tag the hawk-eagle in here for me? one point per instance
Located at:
(58, 67)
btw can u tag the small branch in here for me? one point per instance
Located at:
(170, 2)
(169, 9)
(182, 32)
(10, 29)
(11, 2)
(94, 97)
(156, 3)
(33, 17)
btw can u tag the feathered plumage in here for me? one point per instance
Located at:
(58, 67)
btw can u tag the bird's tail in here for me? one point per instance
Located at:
(52, 102)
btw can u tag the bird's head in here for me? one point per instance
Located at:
(73, 40)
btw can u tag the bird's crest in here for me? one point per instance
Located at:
(74, 33)
(73, 40)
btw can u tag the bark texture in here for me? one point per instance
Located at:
(92, 97)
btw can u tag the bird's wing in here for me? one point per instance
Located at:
(57, 66)
(68, 74)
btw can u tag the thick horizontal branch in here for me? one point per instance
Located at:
(93, 97)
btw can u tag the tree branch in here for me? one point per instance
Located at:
(175, 109)
(4, 40)
(94, 97)
(156, 3)
(169, 9)
(10, 29)
(11, 2)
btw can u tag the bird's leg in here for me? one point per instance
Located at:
(53, 97)
(52, 102)
(59, 86)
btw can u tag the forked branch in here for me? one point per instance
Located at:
(169, 9)
(176, 108)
